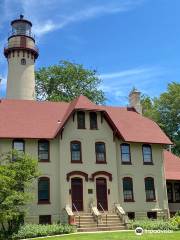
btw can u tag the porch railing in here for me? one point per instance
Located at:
(104, 213)
(77, 212)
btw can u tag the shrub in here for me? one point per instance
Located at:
(175, 220)
(33, 230)
(154, 224)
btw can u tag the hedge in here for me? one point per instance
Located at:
(33, 230)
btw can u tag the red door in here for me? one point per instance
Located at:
(101, 193)
(77, 194)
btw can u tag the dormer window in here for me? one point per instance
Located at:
(81, 120)
(93, 120)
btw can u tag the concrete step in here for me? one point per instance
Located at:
(94, 229)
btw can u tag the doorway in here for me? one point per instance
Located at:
(101, 194)
(77, 194)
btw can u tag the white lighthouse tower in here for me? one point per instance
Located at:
(21, 53)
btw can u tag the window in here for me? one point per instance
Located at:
(76, 156)
(100, 152)
(44, 190)
(23, 61)
(43, 150)
(19, 145)
(128, 189)
(169, 192)
(152, 215)
(125, 154)
(81, 120)
(45, 219)
(177, 192)
(147, 154)
(150, 190)
(131, 215)
(93, 120)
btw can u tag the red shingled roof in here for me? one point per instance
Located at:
(32, 119)
(172, 166)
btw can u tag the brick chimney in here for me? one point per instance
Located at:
(134, 100)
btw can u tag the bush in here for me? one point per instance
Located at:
(33, 230)
(154, 224)
(175, 220)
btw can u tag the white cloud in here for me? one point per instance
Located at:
(62, 13)
(117, 85)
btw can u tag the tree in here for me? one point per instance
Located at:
(165, 110)
(67, 80)
(17, 172)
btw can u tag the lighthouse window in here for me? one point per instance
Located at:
(23, 61)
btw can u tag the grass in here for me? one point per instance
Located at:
(118, 236)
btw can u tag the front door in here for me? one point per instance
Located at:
(77, 194)
(101, 193)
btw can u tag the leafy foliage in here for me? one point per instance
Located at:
(165, 110)
(17, 171)
(67, 80)
(148, 224)
(33, 230)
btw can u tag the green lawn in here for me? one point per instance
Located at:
(118, 236)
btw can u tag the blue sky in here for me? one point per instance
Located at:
(129, 42)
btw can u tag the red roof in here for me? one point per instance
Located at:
(172, 166)
(33, 119)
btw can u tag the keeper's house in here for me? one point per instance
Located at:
(95, 161)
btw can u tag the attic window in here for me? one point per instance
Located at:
(81, 120)
(93, 120)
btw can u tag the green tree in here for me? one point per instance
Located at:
(17, 172)
(165, 110)
(67, 80)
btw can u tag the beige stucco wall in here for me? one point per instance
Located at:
(60, 165)
(21, 78)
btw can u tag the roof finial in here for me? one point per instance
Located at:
(21, 16)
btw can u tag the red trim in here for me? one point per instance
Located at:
(147, 199)
(124, 162)
(91, 116)
(44, 160)
(128, 200)
(101, 162)
(107, 174)
(147, 163)
(34, 51)
(73, 173)
(74, 161)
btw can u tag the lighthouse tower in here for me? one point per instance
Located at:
(21, 53)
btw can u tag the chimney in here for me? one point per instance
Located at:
(134, 100)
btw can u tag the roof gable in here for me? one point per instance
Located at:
(33, 119)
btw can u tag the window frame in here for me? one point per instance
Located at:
(44, 160)
(78, 122)
(90, 120)
(154, 192)
(97, 161)
(144, 162)
(75, 142)
(176, 184)
(49, 216)
(171, 185)
(124, 162)
(49, 190)
(18, 140)
(132, 190)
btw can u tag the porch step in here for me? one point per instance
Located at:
(88, 224)
(96, 229)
